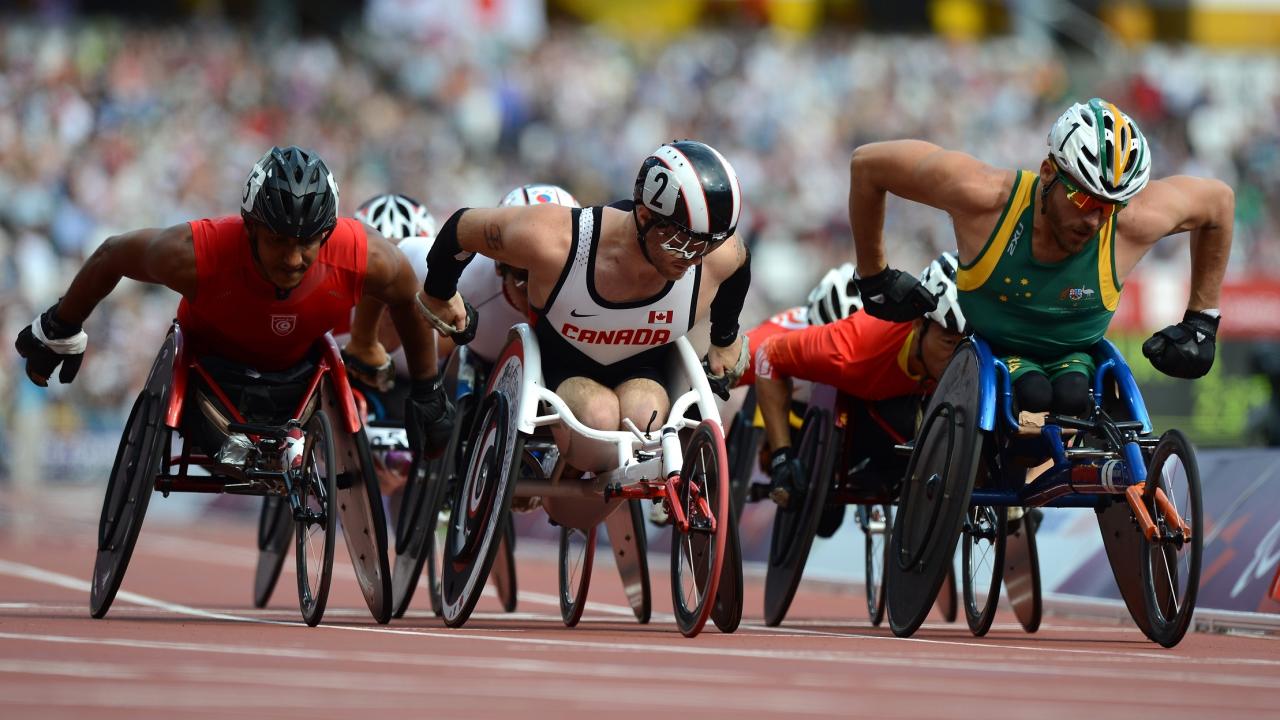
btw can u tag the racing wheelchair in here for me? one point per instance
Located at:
(525, 442)
(834, 445)
(972, 460)
(313, 465)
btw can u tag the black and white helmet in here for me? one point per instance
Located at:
(397, 217)
(540, 195)
(292, 193)
(834, 297)
(939, 278)
(692, 186)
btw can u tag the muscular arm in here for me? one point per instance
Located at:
(1202, 206)
(389, 280)
(163, 256)
(515, 236)
(922, 172)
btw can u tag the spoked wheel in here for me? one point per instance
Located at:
(794, 528)
(697, 554)
(742, 443)
(364, 526)
(275, 530)
(504, 567)
(876, 522)
(316, 524)
(631, 555)
(139, 458)
(727, 614)
(413, 533)
(935, 495)
(577, 554)
(1171, 557)
(1022, 572)
(481, 504)
(982, 552)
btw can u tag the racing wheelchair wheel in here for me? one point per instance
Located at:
(577, 555)
(1022, 572)
(316, 525)
(364, 525)
(698, 554)
(875, 522)
(1171, 559)
(481, 503)
(727, 614)
(742, 444)
(794, 529)
(982, 554)
(631, 556)
(275, 530)
(935, 495)
(504, 567)
(139, 458)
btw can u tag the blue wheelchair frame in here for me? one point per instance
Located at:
(1079, 477)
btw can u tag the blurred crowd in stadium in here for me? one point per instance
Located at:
(105, 127)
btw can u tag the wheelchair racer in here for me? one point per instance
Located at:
(1044, 254)
(887, 366)
(611, 290)
(258, 289)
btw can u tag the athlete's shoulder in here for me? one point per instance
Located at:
(226, 227)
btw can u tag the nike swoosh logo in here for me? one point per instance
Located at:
(575, 313)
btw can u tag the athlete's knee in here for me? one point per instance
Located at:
(595, 405)
(1071, 395)
(641, 400)
(1034, 393)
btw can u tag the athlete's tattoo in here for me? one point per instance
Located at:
(493, 236)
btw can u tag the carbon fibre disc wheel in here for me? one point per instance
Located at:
(727, 614)
(364, 526)
(794, 530)
(275, 535)
(935, 495)
(1022, 573)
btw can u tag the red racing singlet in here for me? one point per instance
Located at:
(862, 356)
(235, 313)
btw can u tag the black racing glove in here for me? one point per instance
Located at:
(895, 296)
(48, 342)
(788, 481)
(1184, 350)
(428, 417)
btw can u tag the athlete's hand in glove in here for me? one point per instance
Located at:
(724, 366)
(895, 296)
(48, 342)
(428, 417)
(371, 366)
(454, 318)
(1184, 350)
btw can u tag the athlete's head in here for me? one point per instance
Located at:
(941, 329)
(687, 203)
(515, 280)
(397, 217)
(290, 207)
(834, 297)
(1098, 161)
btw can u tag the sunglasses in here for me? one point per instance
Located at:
(1083, 200)
(686, 244)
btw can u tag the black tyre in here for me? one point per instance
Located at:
(364, 527)
(316, 525)
(743, 444)
(876, 522)
(141, 456)
(1022, 572)
(415, 527)
(948, 601)
(698, 554)
(577, 555)
(275, 535)
(794, 529)
(935, 494)
(727, 614)
(503, 574)
(982, 559)
(1171, 560)
(481, 503)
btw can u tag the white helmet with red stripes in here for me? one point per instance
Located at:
(690, 185)
(540, 195)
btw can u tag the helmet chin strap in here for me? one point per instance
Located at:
(1044, 193)
(641, 231)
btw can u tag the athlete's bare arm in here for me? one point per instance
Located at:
(389, 278)
(958, 184)
(1202, 206)
(163, 256)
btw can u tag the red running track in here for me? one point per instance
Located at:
(182, 640)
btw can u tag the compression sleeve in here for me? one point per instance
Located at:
(446, 260)
(727, 305)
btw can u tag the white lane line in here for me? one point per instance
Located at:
(96, 671)
(906, 660)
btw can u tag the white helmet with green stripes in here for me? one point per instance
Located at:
(1102, 149)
